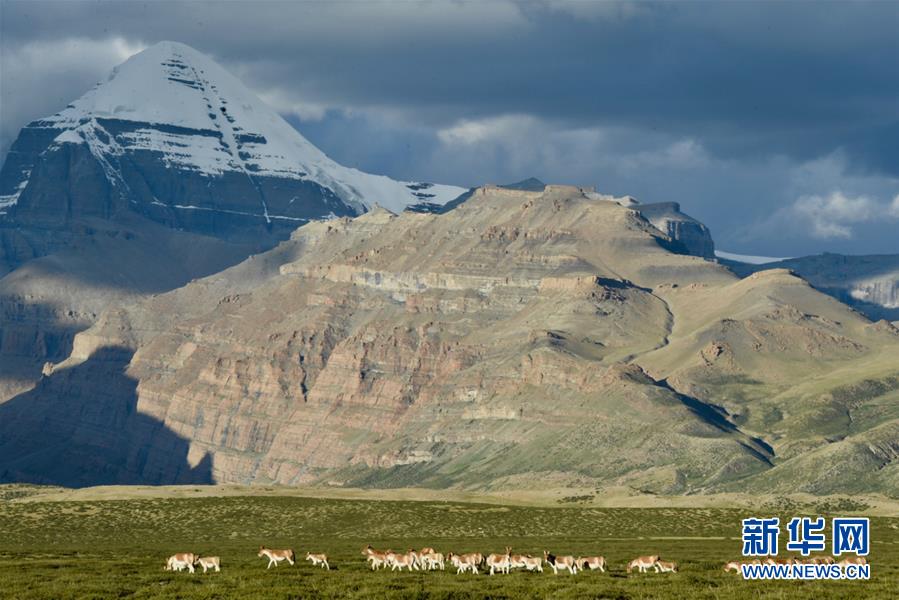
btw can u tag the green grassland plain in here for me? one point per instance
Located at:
(60, 544)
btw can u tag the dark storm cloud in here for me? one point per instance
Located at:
(746, 77)
(662, 99)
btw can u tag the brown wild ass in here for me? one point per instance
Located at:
(665, 566)
(375, 558)
(591, 562)
(432, 560)
(532, 563)
(499, 562)
(276, 556)
(401, 561)
(560, 562)
(181, 561)
(210, 562)
(642, 563)
(526, 561)
(853, 560)
(319, 560)
(465, 562)
(782, 561)
(733, 565)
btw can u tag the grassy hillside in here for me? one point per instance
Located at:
(116, 548)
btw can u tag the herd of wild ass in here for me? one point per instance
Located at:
(428, 559)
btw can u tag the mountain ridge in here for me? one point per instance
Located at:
(869, 283)
(538, 339)
(688, 234)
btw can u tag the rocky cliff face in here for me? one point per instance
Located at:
(883, 291)
(693, 237)
(93, 173)
(523, 339)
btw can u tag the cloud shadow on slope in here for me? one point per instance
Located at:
(80, 427)
(31, 334)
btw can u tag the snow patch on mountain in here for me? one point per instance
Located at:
(69, 136)
(8, 200)
(626, 201)
(747, 258)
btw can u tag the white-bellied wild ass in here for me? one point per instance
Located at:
(532, 563)
(375, 558)
(853, 560)
(319, 560)
(591, 562)
(642, 563)
(181, 561)
(560, 562)
(465, 562)
(276, 556)
(781, 561)
(401, 561)
(665, 566)
(210, 562)
(431, 560)
(734, 565)
(516, 561)
(499, 562)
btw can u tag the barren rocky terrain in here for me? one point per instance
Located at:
(523, 340)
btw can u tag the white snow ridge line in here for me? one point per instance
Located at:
(266, 216)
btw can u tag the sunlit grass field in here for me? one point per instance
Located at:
(117, 548)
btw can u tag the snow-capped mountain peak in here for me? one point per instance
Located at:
(170, 110)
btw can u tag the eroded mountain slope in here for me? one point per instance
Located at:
(95, 265)
(524, 339)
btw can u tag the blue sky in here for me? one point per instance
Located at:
(777, 124)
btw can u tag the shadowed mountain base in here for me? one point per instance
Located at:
(75, 431)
